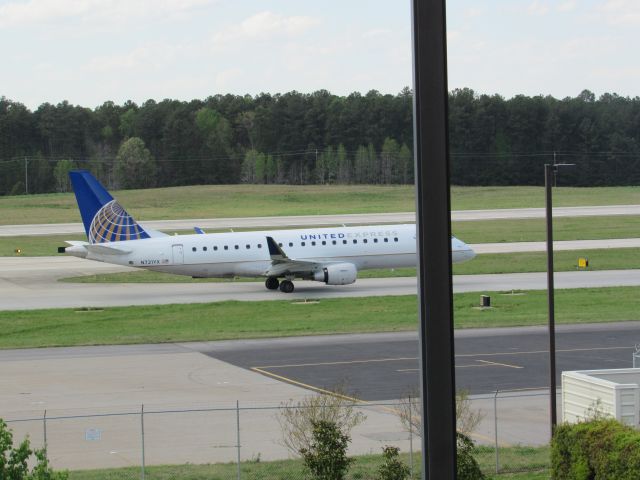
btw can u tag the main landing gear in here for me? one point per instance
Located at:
(272, 283)
(286, 286)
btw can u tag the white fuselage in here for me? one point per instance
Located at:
(247, 254)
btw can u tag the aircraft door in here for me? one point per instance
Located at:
(178, 255)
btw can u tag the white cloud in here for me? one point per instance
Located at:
(538, 8)
(567, 6)
(473, 12)
(145, 57)
(621, 12)
(226, 80)
(264, 26)
(34, 12)
(377, 32)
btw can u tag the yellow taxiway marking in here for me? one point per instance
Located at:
(483, 364)
(355, 400)
(530, 352)
(488, 363)
(461, 355)
(345, 362)
(322, 390)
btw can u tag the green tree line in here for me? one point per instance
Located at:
(318, 138)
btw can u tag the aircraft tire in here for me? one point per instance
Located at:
(286, 286)
(272, 283)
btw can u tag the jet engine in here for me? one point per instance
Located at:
(337, 274)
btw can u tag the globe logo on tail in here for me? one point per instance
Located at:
(113, 224)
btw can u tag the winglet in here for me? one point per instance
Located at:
(275, 251)
(198, 230)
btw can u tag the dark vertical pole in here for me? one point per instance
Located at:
(431, 152)
(549, 173)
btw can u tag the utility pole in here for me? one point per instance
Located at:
(550, 175)
(26, 176)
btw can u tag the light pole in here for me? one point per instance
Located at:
(550, 171)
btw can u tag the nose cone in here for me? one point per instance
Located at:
(460, 251)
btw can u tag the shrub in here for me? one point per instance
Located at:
(392, 468)
(410, 413)
(326, 457)
(296, 419)
(14, 460)
(601, 449)
(466, 464)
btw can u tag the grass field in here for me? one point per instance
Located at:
(235, 320)
(534, 230)
(218, 201)
(364, 467)
(491, 231)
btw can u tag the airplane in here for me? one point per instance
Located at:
(333, 256)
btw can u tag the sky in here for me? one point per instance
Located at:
(91, 51)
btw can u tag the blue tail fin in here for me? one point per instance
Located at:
(103, 217)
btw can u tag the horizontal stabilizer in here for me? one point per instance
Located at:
(153, 233)
(105, 250)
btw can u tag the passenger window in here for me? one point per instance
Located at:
(364, 241)
(226, 247)
(215, 248)
(236, 247)
(291, 244)
(333, 241)
(355, 241)
(313, 244)
(204, 249)
(248, 246)
(302, 244)
(375, 240)
(194, 249)
(323, 242)
(395, 239)
(386, 240)
(259, 245)
(280, 245)
(344, 242)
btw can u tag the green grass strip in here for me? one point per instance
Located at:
(219, 201)
(364, 467)
(534, 229)
(280, 318)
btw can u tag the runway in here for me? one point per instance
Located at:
(30, 283)
(317, 220)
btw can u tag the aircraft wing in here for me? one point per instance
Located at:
(281, 263)
(329, 272)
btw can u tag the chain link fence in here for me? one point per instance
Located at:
(245, 441)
